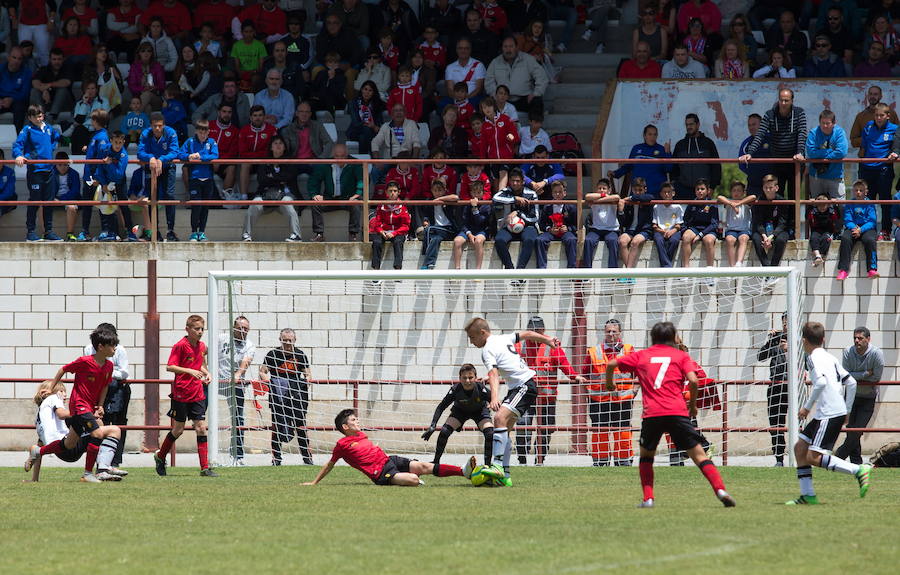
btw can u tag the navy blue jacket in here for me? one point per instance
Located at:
(36, 144)
(97, 149)
(208, 150)
(113, 172)
(644, 215)
(165, 148)
(705, 218)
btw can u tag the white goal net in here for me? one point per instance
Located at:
(390, 345)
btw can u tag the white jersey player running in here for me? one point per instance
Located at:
(498, 352)
(833, 391)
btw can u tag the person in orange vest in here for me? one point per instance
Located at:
(545, 361)
(611, 409)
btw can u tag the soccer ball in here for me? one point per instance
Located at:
(516, 225)
(482, 475)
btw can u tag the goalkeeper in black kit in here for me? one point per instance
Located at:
(470, 399)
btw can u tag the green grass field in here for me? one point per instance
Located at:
(262, 520)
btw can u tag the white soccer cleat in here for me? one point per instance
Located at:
(646, 504)
(117, 471)
(471, 464)
(33, 453)
(89, 478)
(107, 476)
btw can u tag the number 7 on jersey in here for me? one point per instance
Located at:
(664, 367)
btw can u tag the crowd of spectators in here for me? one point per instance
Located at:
(764, 39)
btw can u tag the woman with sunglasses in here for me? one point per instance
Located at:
(739, 31)
(649, 30)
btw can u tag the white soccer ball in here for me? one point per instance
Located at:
(515, 225)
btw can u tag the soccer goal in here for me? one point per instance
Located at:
(389, 344)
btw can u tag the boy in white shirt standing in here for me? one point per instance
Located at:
(833, 391)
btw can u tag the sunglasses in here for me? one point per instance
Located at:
(822, 45)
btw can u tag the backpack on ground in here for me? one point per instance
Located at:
(566, 145)
(887, 456)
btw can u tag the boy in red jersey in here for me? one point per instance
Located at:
(407, 93)
(661, 371)
(188, 362)
(360, 453)
(92, 376)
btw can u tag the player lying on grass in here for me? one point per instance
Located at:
(833, 392)
(661, 371)
(92, 376)
(470, 399)
(360, 453)
(498, 352)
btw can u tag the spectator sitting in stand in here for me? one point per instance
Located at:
(841, 38)
(299, 47)
(824, 223)
(823, 63)
(476, 221)
(51, 86)
(772, 224)
(337, 181)
(207, 42)
(483, 44)
(640, 65)
(225, 133)
(375, 71)
(191, 77)
(451, 136)
(704, 11)
(668, 221)
(407, 94)
(15, 85)
(278, 103)
(501, 97)
(306, 138)
(270, 21)
(559, 222)
(277, 182)
(400, 17)
(365, 113)
(147, 79)
(697, 43)
(439, 170)
(407, 178)
(515, 203)
(66, 185)
(433, 51)
(778, 66)
(730, 65)
(682, 66)
(354, 15)
(391, 53)
(8, 186)
(82, 130)
(75, 45)
(598, 12)
(426, 79)
(218, 13)
(174, 112)
(739, 31)
(122, 32)
(875, 65)
(522, 74)
(541, 172)
(468, 70)
(390, 224)
(335, 39)
(787, 36)
(175, 15)
(442, 222)
(602, 225)
(163, 47)
(533, 136)
(398, 136)
(651, 31)
(635, 218)
(247, 57)
(239, 102)
(701, 223)
(860, 225)
(253, 143)
(738, 223)
(329, 86)
(883, 31)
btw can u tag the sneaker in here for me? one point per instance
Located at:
(426, 268)
(587, 35)
(873, 274)
(52, 237)
(237, 462)
(319, 238)
(727, 500)
(599, 49)
(201, 237)
(862, 476)
(293, 238)
(493, 471)
(117, 471)
(308, 461)
(646, 504)
(105, 475)
(884, 236)
(561, 48)
(33, 453)
(804, 500)
(246, 238)
(195, 237)
(160, 464)
(32, 237)
(171, 237)
(89, 478)
(106, 237)
(70, 237)
(208, 473)
(467, 470)
(842, 275)
(354, 237)
(83, 237)
(276, 463)
(817, 261)
(779, 463)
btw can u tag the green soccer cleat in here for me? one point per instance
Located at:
(493, 471)
(804, 500)
(503, 482)
(863, 475)
(471, 464)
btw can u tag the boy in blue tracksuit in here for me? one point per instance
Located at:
(860, 225)
(878, 142)
(37, 141)
(158, 146)
(111, 178)
(200, 148)
(97, 149)
(7, 186)
(65, 186)
(654, 174)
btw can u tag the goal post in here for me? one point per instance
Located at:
(389, 343)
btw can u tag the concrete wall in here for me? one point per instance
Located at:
(51, 296)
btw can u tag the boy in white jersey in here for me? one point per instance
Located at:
(51, 426)
(498, 352)
(833, 391)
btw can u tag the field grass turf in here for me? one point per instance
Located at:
(262, 520)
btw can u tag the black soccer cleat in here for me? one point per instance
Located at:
(160, 464)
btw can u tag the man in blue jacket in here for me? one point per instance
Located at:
(15, 86)
(158, 146)
(200, 148)
(826, 142)
(860, 223)
(37, 141)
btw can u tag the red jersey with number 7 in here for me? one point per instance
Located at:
(660, 371)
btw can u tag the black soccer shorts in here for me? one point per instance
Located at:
(477, 415)
(83, 424)
(679, 427)
(193, 410)
(394, 465)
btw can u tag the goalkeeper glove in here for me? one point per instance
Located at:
(427, 435)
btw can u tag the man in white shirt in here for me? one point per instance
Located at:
(236, 351)
(498, 352)
(832, 393)
(465, 69)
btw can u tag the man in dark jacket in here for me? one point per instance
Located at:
(694, 145)
(337, 181)
(784, 128)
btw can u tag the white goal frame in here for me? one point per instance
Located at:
(790, 274)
